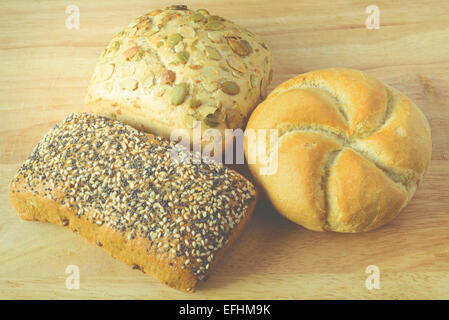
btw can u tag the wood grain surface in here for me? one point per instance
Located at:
(45, 68)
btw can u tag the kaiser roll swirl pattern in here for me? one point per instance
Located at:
(351, 150)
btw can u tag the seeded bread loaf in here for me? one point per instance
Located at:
(171, 68)
(351, 150)
(121, 189)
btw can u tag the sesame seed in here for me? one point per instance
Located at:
(114, 175)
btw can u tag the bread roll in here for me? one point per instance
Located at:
(120, 189)
(351, 150)
(170, 68)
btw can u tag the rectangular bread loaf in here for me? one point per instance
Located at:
(119, 188)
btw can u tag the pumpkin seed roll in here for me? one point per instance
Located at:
(120, 189)
(177, 68)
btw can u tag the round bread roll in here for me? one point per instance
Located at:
(171, 68)
(351, 150)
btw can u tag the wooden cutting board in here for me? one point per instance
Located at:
(45, 68)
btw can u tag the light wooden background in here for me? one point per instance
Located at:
(44, 70)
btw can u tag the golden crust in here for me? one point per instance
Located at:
(296, 189)
(133, 252)
(360, 196)
(368, 149)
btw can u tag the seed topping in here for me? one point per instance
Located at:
(115, 176)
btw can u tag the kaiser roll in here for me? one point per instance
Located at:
(351, 150)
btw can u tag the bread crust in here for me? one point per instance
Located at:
(352, 150)
(133, 252)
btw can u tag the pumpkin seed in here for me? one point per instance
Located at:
(247, 45)
(173, 39)
(187, 32)
(214, 119)
(179, 47)
(149, 81)
(196, 17)
(193, 45)
(150, 32)
(236, 74)
(203, 11)
(113, 48)
(236, 63)
(263, 93)
(214, 25)
(194, 102)
(150, 59)
(215, 18)
(182, 57)
(209, 122)
(241, 47)
(214, 36)
(218, 116)
(212, 53)
(105, 51)
(252, 79)
(230, 87)
(129, 84)
(179, 94)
